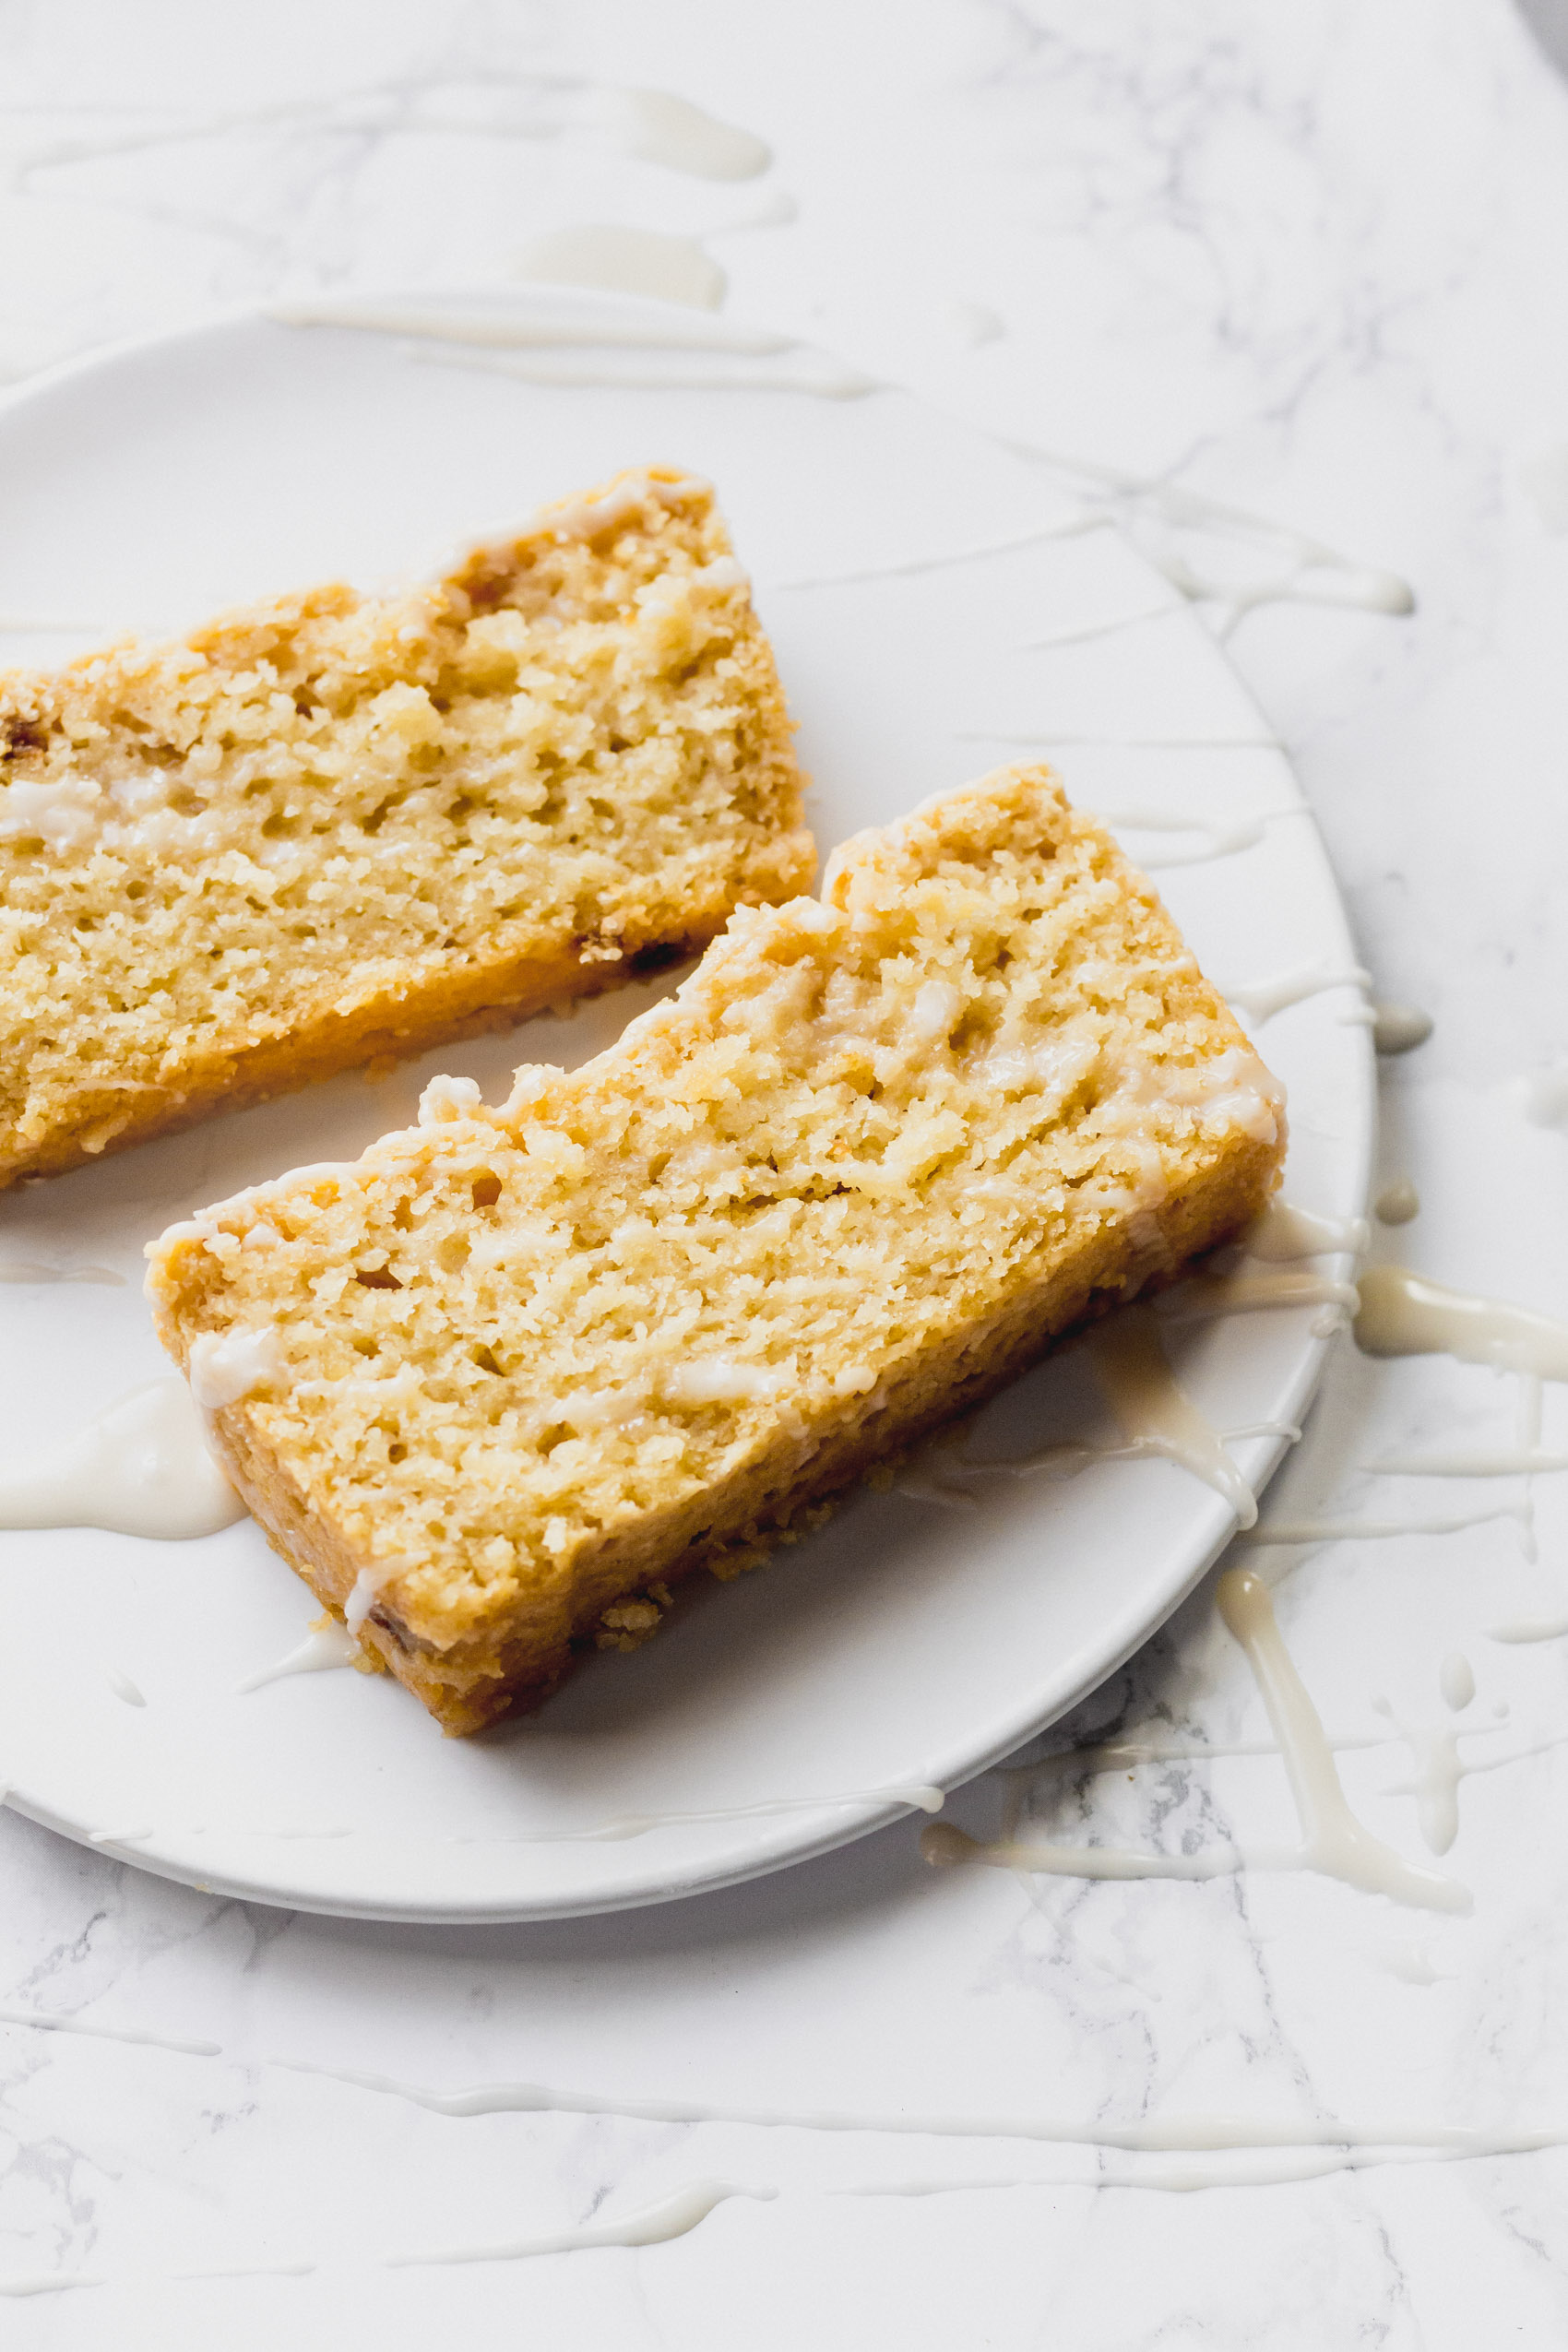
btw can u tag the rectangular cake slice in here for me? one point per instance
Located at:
(491, 1387)
(335, 829)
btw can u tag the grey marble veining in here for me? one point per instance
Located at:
(1306, 263)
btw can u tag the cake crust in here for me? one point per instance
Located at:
(335, 829)
(520, 1370)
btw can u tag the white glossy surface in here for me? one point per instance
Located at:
(1311, 260)
(895, 1648)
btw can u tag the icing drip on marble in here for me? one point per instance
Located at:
(509, 325)
(653, 2225)
(1400, 1028)
(1397, 1202)
(141, 1468)
(1259, 1001)
(1405, 1313)
(1207, 838)
(1334, 1843)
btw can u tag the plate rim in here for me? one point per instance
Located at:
(783, 1848)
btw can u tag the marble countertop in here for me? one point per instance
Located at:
(1307, 263)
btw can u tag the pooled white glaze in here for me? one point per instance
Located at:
(1155, 1414)
(653, 2225)
(325, 1646)
(655, 126)
(1203, 1295)
(142, 1468)
(1400, 1028)
(1157, 1418)
(1261, 1000)
(227, 1365)
(1397, 1202)
(1284, 1233)
(1405, 1313)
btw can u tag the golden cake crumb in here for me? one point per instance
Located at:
(491, 1386)
(337, 829)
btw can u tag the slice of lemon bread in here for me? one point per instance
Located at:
(491, 1386)
(334, 827)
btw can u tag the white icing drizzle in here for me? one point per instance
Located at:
(655, 126)
(653, 2225)
(1073, 527)
(629, 261)
(1283, 1531)
(328, 1644)
(815, 374)
(226, 1366)
(1434, 1755)
(1086, 636)
(1157, 2135)
(1400, 1028)
(1284, 1233)
(141, 1468)
(1259, 1001)
(1335, 1844)
(1313, 572)
(1405, 1313)
(1155, 1414)
(920, 1797)
(511, 326)
(1214, 838)
(1397, 1202)
(1529, 1629)
(21, 1270)
(48, 2021)
(1203, 1295)
(124, 1688)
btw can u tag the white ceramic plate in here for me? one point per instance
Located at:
(905, 1643)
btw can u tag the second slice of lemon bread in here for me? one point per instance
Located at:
(333, 828)
(490, 1387)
